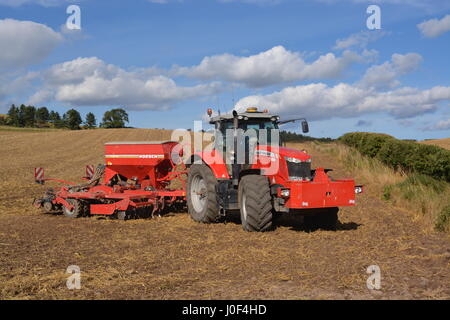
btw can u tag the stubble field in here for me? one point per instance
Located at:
(173, 257)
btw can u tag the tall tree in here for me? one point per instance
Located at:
(72, 119)
(54, 116)
(115, 118)
(29, 116)
(13, 116)
(90, 122)
(22, 111)
(42, 115)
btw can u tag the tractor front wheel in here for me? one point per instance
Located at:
(77, 210)
(201, 194)
(255, 203)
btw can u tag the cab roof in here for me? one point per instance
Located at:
(249, 115)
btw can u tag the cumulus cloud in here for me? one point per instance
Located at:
(386, 75)
(24, 43)
(14, 85)
(360, 39)
(319, 101)
(91, 82)
(435, 27)
(274, 66)
(440, 125)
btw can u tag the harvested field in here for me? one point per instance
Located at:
(173, 257)
(443, 143)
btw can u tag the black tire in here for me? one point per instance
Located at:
(122, 215)
(86, 208)
(77, 210)
(201, 194)
(325, 219)
(255, 203)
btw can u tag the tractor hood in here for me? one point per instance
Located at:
(283, 152)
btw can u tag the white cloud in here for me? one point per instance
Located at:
(270, 67)
(24, 43)
(386, 74)
(434, 27)
(13, 86)
(440, 125)
(91, 82)
(319, 101)
(360, 39)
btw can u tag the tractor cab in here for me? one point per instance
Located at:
(237, 135)
(251, 124)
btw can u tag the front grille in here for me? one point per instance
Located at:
(299, 171)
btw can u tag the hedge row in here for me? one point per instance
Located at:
(406, 155)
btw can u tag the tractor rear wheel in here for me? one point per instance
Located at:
(325, 219)
(77, 210)
(201, 194)
(255, 203)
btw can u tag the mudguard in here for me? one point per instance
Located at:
(215, 161)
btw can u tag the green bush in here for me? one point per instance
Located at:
(402, 155)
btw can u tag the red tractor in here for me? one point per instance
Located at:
(263, 179)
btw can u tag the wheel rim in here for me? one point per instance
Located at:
(198, 193)
(67, 211)
(244, 206)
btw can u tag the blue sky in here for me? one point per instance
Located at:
(166, 62)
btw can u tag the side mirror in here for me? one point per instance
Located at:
(305, 126)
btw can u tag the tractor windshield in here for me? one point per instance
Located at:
(263, 131)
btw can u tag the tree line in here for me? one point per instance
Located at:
(32, 117)
(288, 136)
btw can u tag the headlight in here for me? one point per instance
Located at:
(266, 154)
(294, 160)
(291, 178)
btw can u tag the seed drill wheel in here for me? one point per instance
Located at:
(86, 208)
(122, 215)
(201, 194)
(255, 203)
(77, 210)
(47, 206)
